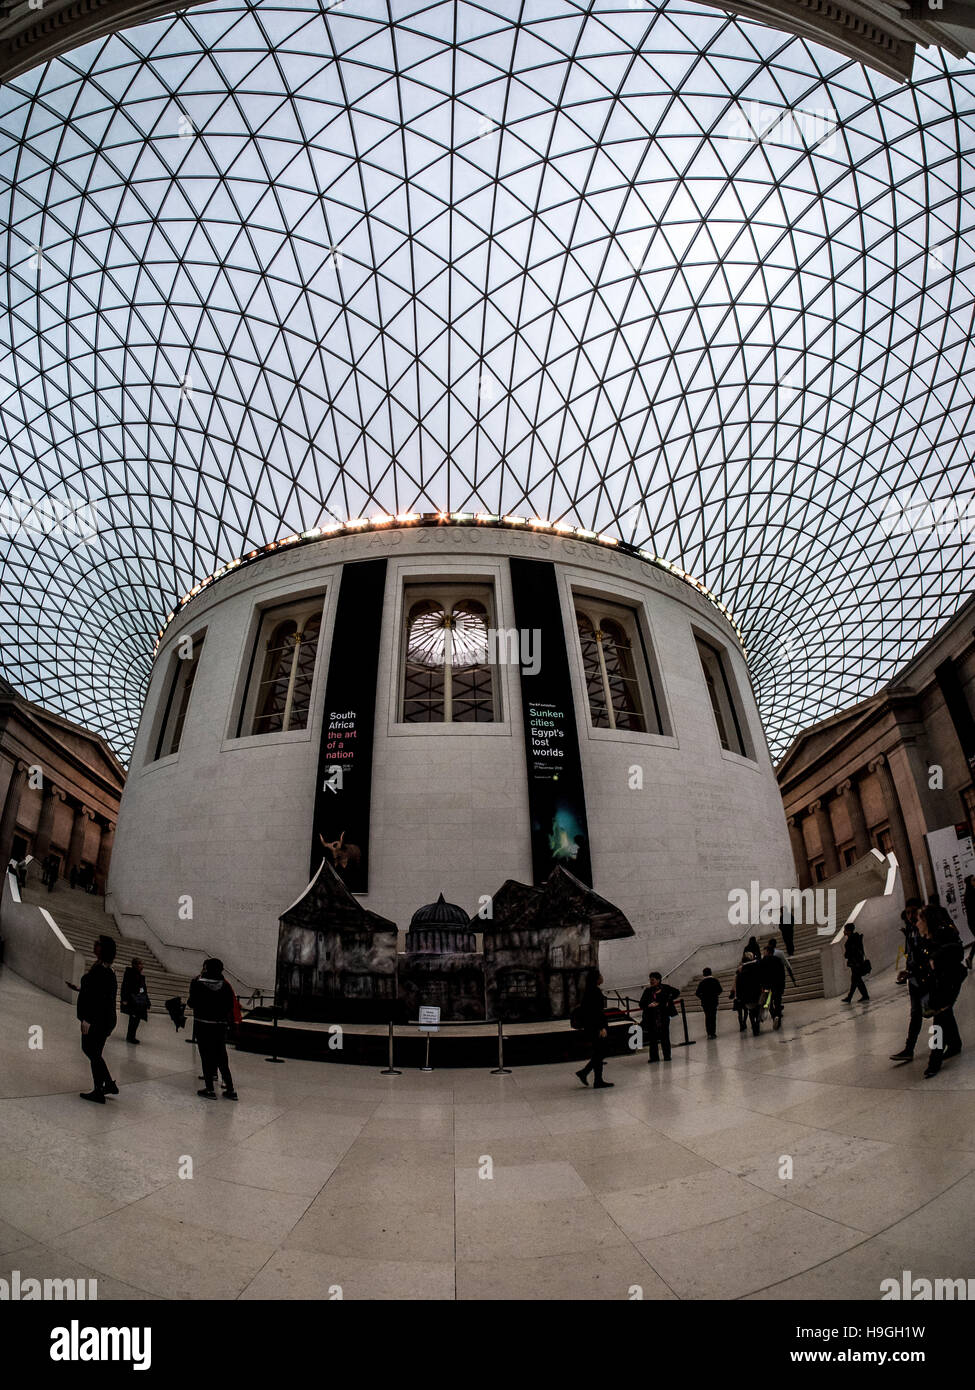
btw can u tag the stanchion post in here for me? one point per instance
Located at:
(274, 1033)
(426, 1060)
(391, 1070)
(501, 1069)
(688, 1040)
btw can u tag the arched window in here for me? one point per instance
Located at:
(447, 676)
(282, 670)
(178, 701)
(615, 669)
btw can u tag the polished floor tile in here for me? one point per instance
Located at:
(793, 1165)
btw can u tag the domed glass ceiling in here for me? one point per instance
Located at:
(644, 268)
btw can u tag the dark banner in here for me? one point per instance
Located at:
(344, 788)
(957, 705)
(556, 799)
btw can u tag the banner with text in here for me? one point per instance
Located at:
(344, 788)
(556, 797)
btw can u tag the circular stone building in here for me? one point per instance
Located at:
(443, 704)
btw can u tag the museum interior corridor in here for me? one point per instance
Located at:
(328, 1177)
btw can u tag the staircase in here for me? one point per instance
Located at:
(82, 918)
(806, 966)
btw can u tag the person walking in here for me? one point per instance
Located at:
(709, 991)
(753, 949)
(857, 961)
(788, 930)
(96, 1013)
(134, 999)
(592, 1016)
(657, 1003)
(212, 1001)
(748, 993)
(772, 972)
(913, 974)
(968, 902)
(944, 973)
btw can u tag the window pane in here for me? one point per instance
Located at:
(272, 692)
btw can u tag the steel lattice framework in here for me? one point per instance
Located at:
(645, 268)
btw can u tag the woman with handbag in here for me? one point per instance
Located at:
(943, 974)
(134, 999)
(856, 959)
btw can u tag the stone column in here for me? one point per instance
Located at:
(45, 826)
(854, 806)
(104, 854)
(77, 845)
(799, 852)
(831, 860)
(898, 830)
(11, 806)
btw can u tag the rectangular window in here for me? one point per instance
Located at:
(723, 701)
(278, 697)
(178, 699)
(616, 672)
(448, 677)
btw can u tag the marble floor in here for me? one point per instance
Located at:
(463, 1185)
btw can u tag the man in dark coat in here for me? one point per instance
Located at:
(212, 1001)
(656, 1001)
(748, 993)
(96, 1012)
(856, 960)
(592, 1013)
(944, 973)
(709, 991)
(772, 971)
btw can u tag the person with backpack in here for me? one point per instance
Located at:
(944, 971)
(212, 1000)
(772, 970)
(134, 999)
(657, 1004)
(591, 1018)
(709, 991)
(748, 993)
(96, 1013)
(857, 961)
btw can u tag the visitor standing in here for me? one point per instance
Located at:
(969, 905)
(592, 1017)
(657, 1003)
(212, 1001)
(709, 991)
(96, 1012)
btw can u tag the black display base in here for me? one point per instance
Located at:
(470, 1045)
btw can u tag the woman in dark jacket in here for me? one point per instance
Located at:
(96, 1012)
(134, 999)
(593, 1013)
(943, 974)
(856, 960)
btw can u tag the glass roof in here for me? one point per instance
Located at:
(645, 268)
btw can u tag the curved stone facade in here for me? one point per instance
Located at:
(213, 838)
